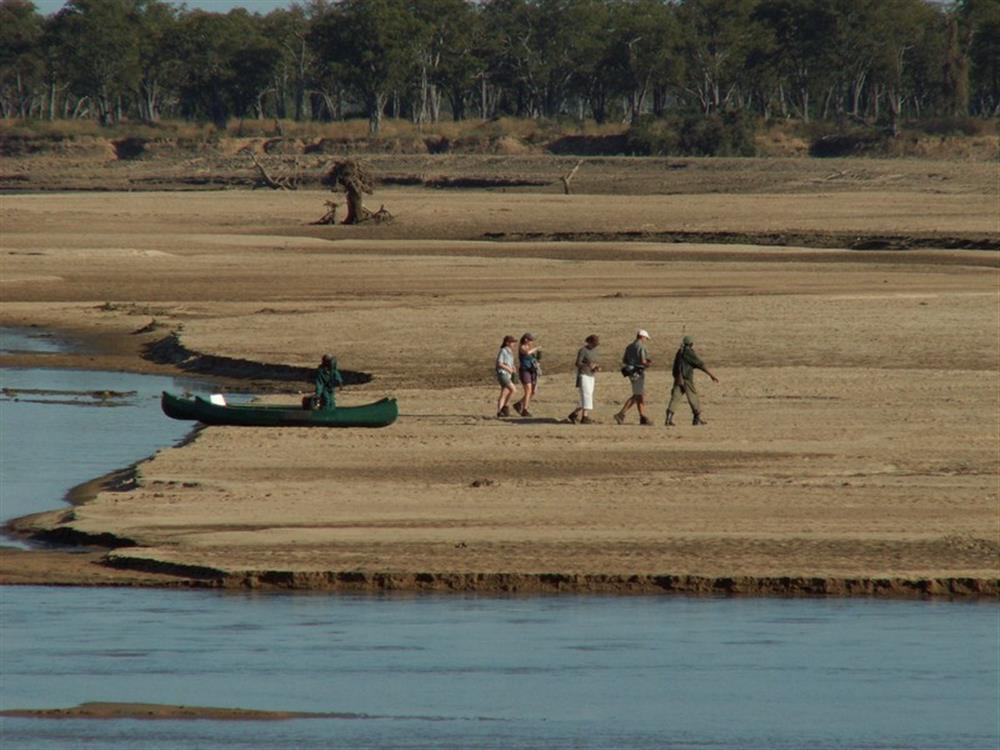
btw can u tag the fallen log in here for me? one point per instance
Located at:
(266, 180)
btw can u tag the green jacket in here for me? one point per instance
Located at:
(327, 380)
(685, 363)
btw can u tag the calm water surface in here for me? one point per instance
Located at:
(456, 672)
(57, 430)
(490, 672)
(52, 441)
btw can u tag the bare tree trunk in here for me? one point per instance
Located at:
(435, 103)
(857, 88)
(355, 206)
(420, 111)
(375, 107)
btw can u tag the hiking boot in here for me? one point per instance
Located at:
(504, 412)
(619, 418)
(519, 409)
(670, 419)
(645, 421)
(524, 412)
(586, 420)
(698, 420)
(572, 417)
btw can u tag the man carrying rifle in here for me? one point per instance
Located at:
(685, 363)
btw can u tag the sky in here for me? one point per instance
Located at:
(45, 7)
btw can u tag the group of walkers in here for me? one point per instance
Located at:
(524, 365)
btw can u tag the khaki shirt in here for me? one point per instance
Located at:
(635, 354)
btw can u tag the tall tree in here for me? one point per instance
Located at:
(800, 33)
(101, 52)
(717, 41)
(158, 56)
(980, 21)
(442, 45)
(902, 25)
(288, 29)
(228, 65)
(642, 51)
(21, 68)
(370, 45)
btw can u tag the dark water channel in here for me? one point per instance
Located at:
(453, 672)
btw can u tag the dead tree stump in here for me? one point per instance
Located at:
(566, 179)
(356, 179)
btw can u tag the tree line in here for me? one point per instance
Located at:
(606, 60)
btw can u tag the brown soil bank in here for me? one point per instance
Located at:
(851, 445)
(151, 711)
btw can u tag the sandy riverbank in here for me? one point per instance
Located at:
(852, 444)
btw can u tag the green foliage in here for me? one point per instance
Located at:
(20, 65)
(728, 133)
(371, 46)
(100, 51)
(955, 126)
(865, 61)
(227, 63)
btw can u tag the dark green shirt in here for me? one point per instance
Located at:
(686, 362)
(327, 379)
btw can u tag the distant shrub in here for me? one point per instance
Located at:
(652, 136)
(129, 148)
(853, 142)
(954, 126)
(589, 145)
(694, 134)
(726, 134)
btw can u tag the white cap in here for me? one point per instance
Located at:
(643, 333)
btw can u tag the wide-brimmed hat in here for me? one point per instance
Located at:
(687, 341)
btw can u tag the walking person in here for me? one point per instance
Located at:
(505, 375)
(527, 371)
(328, 379)
(634, 363)
(685, 363)
(586, 368)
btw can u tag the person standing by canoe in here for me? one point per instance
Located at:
(685, 363)
(328, 379)
(634, 363)
(586, 368)
(505, 375)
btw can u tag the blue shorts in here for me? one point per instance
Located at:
(503, 378)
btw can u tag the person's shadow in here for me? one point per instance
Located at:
(534, 420)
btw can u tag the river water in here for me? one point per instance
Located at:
(454, 671)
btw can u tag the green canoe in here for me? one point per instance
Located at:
(378, 414)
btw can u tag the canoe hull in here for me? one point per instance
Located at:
(378, 414)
